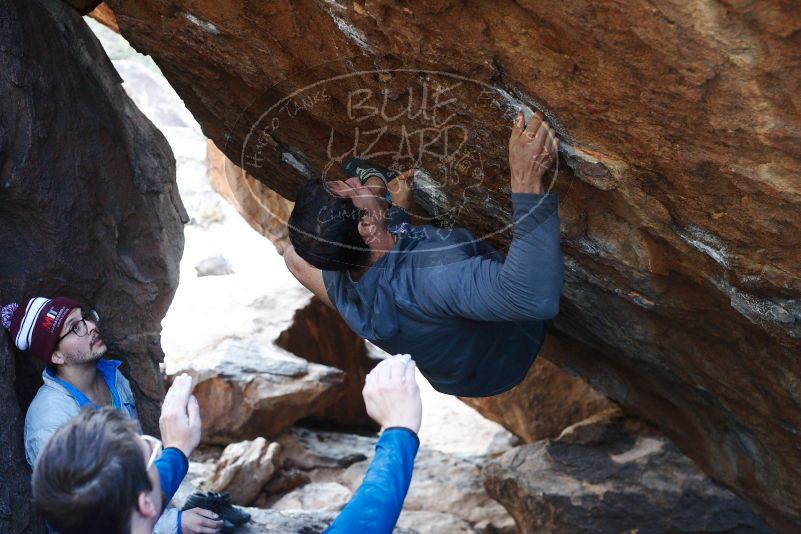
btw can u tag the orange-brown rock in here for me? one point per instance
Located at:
(319, 334)
(105, 16)
(245, 392)
(546, 402)
(264, 209)
(609, 474)
(678, 185)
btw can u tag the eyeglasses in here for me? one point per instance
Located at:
(79, 328)
(158, 447)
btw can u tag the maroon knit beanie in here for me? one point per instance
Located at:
(36, 326)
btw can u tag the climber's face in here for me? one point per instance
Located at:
(368, 197)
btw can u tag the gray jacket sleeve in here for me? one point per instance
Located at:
(48, 412)
(526, 286)
(168, 522)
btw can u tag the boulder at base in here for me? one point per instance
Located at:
(610, 474)
(448, 485)
(244, 468)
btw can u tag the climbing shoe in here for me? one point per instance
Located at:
(220, 504)
(364, 170)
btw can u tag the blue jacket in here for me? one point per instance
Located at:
(472, 320)
(376, 505)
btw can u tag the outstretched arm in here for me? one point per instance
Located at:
(527, 285)
(392, 398)
(377, 504)
(308, 275)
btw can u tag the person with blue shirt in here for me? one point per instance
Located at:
(473, 320)
(67, 340)
(97, 474)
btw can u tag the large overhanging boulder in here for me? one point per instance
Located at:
(88, 208)
(264, 209)
(678, 182)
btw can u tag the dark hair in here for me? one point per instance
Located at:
(324, 229)
(90, 473)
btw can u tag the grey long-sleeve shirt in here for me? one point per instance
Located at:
(472, 320)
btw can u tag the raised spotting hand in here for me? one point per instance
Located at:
(180, 416)
(391, 394)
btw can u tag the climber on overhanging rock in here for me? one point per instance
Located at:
(67, 340)
(472, 320)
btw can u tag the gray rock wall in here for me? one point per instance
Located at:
(88, 208)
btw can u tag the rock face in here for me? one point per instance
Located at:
(16, 511)
(434, 523)
(244, 468)
(609, 474)
(246, 391)
(324, 496)
(319, 335)
(264, 209)
(679, 197)
(546, 402)
(88, 208)
(277, 521)
(445, 485)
